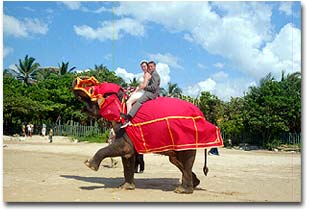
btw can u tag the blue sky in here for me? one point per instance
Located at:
(221, 47)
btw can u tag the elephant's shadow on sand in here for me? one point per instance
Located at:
(164, 184)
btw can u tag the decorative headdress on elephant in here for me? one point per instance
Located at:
(107, 96)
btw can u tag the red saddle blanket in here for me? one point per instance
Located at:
(171, 124)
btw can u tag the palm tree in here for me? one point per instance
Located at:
(26, 71)
(134, 82)
(63, 68)
(100, 67)
(172, 91)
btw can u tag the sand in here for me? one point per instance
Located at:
(37, 171)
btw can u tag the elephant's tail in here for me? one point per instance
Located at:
(205, 167)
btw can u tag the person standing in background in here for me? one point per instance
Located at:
(50, 135)
(43, 129)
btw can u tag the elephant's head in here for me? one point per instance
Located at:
(122, 146)
(83, 94)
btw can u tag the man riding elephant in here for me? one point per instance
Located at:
(151, 91)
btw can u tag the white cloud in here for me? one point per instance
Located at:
(285, 50)
(75, 5)
(36, 26)
(7, 51)
(29, 9)
(72, 5)
(164, 73)
(201, 66)
(219, 65)
(84, 70)
(49, 10)
(223, 88)
(14, 27)
(127, 76)
(102, 9)
(286, 7)
(238, 31)
(207, 85)
(110, 30)
(188, 37)
(219, 76)
(108, 56)
(195, 90)
(167, 58)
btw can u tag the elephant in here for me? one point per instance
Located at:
(123, 147)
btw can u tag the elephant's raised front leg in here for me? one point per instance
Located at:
(129, 165)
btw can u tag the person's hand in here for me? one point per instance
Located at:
(147, 75)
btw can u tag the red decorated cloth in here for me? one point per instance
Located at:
(111, 108)
(94, 89)
(171, 124)
(105, 88)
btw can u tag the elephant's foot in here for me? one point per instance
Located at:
(196, 182)
(91, 166)
(181, 189)
(127, 186)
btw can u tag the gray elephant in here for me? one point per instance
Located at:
(123, 147)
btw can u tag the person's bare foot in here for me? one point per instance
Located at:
(88, 164)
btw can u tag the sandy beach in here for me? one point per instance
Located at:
(37, 171)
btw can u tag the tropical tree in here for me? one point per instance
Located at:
(102, 73)
(211, 106)
(172, 91)
(274, 107)
(233, 118)
(64, 68)
(134, 82)
(26, 70)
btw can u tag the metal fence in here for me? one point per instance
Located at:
(285, 138)
(290, 138)
(77, 130)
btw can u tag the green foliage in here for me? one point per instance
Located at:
(46, 99)
(173, 90)
(102, 73)
(274, 107)
(134, 82)
(273, 144)
(64, 68)
(232, 123)
(26, 70)
(33, 94)
(95, 138)
(211, 107)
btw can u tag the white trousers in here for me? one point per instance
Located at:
(133, 98)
